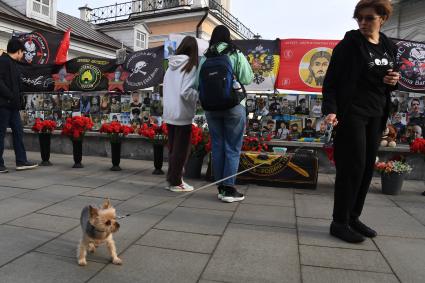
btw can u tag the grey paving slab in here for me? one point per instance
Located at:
(415, 209)
(179, 241)
(148, 264)
(46, 222)
(142, 202)
(314, 206)
(13, 208)
(117, 190)
(393, 221)
(248, 253)
(269, 196)
(279, 216)
(28, 183)
(315, 232)
(378, 199)
(406, 257)
(41, 268)
(53, 193)
(15, 241)
(7, 192)
(72, 207)
(165, 208)
(313, 274)
(195, 220)
(343, 258)
(208, 199)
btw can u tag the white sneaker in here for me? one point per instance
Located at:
(187, 185)
(181, 188)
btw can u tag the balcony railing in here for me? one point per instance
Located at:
(122, 11)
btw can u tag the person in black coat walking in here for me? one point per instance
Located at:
(10, 104)
(356, 100)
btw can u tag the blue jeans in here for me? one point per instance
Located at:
(11, 118)
(226, 129)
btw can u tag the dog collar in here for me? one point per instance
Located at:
(95, 233)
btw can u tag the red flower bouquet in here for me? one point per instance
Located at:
(76, 127)
(200, 141)
(254, 144)
(156, 134)
(44, 126)
(116, 131)
(418, 146)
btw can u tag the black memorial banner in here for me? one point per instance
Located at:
(41, 47)
(264, 57)
(145, 68)
(298, 169)
(411, 64)
(37, 78)
(89, 73)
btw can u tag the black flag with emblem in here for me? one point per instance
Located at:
(145, 68)
(90, 73)
(37, 77)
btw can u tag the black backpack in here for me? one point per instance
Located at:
(216, 84)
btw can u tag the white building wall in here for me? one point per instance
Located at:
(126, 36)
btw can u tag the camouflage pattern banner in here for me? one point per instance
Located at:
(264, 57)
(411, 64)
(303, 63)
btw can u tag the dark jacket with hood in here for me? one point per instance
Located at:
(341, 80)
(10, 83)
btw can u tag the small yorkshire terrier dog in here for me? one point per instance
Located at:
(98, 224)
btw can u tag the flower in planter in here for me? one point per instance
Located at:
(254, 144)
(76, 127)
(395, 165)
(44, 126)
(200, 141)
(156, 134)
(418, 146)
(116, 131)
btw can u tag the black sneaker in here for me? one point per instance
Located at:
(230, 194)
(3, 169)
(345, 233)
(361, 228)
(26, 166)
(220, 189)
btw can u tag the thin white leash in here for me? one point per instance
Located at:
(265, 157)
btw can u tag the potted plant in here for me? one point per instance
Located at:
(157, 135)
(116, 132)
(392, 174)
(418, 146)
(200, 146)
(44, 128)
(75, 128)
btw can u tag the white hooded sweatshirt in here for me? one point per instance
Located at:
(179, 95)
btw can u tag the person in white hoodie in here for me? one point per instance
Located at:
(180, 98)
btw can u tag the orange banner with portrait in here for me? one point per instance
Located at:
(303, 63)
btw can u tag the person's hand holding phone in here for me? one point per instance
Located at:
(392, 77)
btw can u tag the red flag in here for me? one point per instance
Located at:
(61, 55)
(303, 63)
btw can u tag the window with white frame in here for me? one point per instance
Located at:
(140, 40)
(42, 7)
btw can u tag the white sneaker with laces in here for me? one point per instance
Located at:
(181, 188)
(187, 185)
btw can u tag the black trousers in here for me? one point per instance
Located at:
(179, 144)
(356, 145)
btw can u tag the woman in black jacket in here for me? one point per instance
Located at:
(356, 99)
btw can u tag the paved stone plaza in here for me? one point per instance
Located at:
(275, 235)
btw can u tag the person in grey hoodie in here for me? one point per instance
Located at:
(180, 98)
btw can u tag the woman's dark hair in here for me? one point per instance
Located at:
(220, 34)
(382, 7)
(14, 45)
(189, 47)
